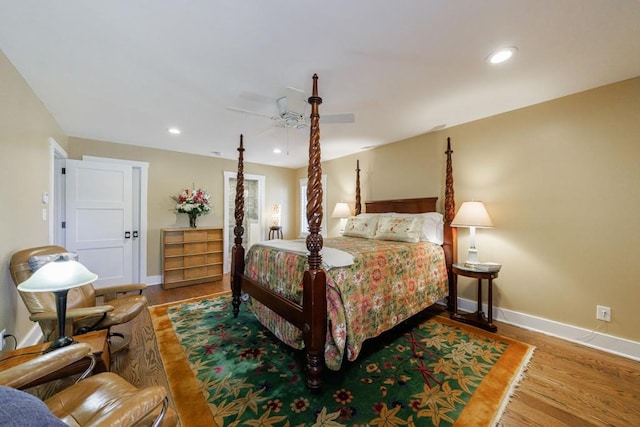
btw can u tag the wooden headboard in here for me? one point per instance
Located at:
(422, 205)
(417, 205)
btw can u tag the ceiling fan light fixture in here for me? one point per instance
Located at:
(281, 103)
(292, 112)
(501, 55)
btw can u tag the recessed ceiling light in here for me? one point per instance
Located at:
(277, 150)
(501, 55)
(174, 131)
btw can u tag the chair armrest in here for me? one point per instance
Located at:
(43, 365)
(111, 292)
(135, 408)
(73, 313)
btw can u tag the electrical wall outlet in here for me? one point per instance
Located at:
(603, 313)
(2, 338)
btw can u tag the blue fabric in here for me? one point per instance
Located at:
(35, 262)
(20, 409)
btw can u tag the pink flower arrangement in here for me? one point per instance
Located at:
(194, 201)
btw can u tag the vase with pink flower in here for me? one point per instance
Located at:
(194, 202)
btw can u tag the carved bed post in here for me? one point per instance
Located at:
(358, 200)
(450, 233)
(314, 297)
(237, 253)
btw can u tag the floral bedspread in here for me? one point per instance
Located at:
(387, 283)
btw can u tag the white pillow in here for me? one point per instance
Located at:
(399, 228)
(359, 226)
(432, 226)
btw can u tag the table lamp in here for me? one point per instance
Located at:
(472, 215)
(343, 212)
(275, 230)
(275, 215)
(58, 277)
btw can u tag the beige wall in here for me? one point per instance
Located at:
(25, 129)
(409, 168)
(171, 171)
(561, 181)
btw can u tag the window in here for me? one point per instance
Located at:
(304, 227)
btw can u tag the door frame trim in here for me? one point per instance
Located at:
(56, 152)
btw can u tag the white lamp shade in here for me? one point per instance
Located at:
(58, 276)
(341, 210)
(275, 215)
(472, 214)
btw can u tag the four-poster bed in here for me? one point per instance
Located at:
(319, 285)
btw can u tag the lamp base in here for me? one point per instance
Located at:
(472, 256)
(343, 224)
(59, 343)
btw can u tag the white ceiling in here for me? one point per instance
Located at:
(126, 70)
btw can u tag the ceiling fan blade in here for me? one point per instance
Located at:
(254, 113)
(269, 132)
(338, 118)
(256, 97)
(296, 101)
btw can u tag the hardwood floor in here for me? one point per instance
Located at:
(566, 384)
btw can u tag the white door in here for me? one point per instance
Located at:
(99, 218)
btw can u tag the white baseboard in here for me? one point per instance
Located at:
(34, 336)
(598, 340)
(152, 280)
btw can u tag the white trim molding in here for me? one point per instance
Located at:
(590, 338)
(33, 337)
(153, 280)
(56, 152)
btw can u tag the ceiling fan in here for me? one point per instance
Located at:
(292, 112)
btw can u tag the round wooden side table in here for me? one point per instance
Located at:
(477, 318)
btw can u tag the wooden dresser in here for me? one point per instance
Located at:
(191, 256)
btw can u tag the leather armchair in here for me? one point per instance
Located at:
(83, 313)
(105, 399)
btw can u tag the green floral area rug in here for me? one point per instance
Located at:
(230, 371)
